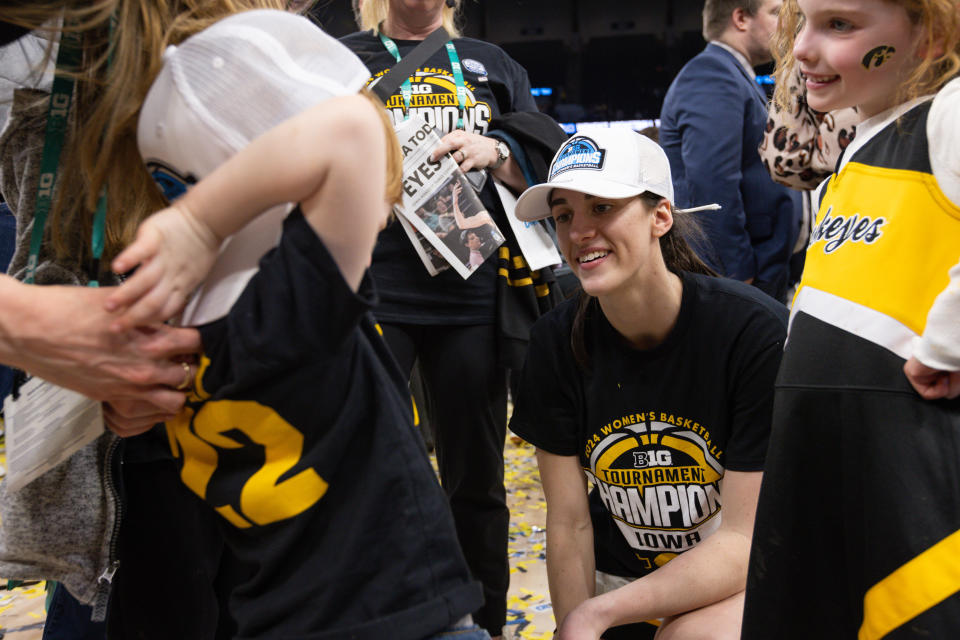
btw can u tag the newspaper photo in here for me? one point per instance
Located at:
(432, 260)
(440, 208)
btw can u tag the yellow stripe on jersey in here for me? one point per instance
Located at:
(885, 239)
(198, 391)
(520, 282)
(235, 518)
(917, 586)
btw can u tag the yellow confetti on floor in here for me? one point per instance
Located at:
(529, 613)
(21, 609)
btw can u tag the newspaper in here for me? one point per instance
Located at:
(442, 215)
(46, 425)
(535, 243)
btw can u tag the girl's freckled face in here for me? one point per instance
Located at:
(855, 53)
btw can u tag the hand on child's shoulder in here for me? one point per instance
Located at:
(172, 254)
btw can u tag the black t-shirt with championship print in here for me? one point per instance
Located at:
(655, 429)
(300, 435)
(495, 84)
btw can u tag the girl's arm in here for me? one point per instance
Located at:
(570, 563)
(327, 158)
(934, 369)
(710, 572)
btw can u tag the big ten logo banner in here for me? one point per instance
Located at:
(261, 448)
(658, 475)
(434, 99)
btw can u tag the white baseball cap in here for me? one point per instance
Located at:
(224, 86)
(610, 163)
(218, 91)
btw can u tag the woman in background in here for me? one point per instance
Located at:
(657, 384)
(456, 327)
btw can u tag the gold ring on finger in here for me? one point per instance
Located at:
(187, 377)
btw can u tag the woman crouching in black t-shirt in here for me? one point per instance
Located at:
(658, 385)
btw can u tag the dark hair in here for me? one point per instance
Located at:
(651, 132)
(677, 255)
(465, 235)
(716, 15)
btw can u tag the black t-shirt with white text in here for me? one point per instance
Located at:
(495, 84)
(655, 429)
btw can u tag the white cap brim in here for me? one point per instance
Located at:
(533, 203)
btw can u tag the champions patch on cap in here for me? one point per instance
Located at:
(579, 153)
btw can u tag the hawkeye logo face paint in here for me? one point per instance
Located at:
(578, 153)
(835, 231)
(658, 475)
(434, 99)
(171, 182)
(877, 56)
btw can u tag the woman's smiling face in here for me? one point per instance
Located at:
(609, 243)
(855, 53)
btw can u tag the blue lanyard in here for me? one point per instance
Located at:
(407, 92)
(61, 94)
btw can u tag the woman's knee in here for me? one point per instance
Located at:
(718, 621)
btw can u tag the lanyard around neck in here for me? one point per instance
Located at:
(61, 95)
(407, 92)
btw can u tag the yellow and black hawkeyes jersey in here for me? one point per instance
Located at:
(883, 241)
(857, 532)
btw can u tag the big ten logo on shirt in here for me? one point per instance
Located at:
(658, 475)
(239, 455)
(434, 99)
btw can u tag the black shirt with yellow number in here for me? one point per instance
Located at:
(300, 435)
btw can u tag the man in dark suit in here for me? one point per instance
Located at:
(712, 121)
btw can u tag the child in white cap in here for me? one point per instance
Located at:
(298, 431)
(656, 386)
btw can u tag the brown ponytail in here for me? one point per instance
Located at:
(675, 243)
(677, 255)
